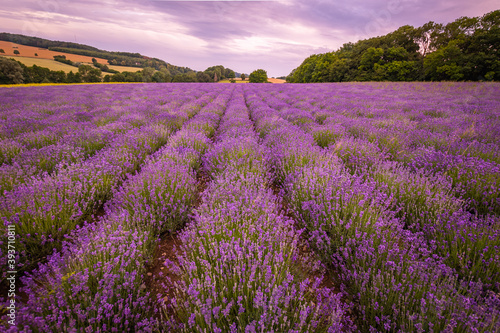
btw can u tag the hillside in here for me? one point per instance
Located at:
(89, 52)
(42, 53)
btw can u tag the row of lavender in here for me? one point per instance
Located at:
(412, 247)
(454, 132)
(239, 263)
(96, 283)
(358, 219)
(436, 192)
(34, 143)
(46, 207)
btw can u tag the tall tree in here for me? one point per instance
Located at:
(10, 72)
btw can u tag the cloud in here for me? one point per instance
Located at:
(274, 35)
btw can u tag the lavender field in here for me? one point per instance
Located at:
(360, 207)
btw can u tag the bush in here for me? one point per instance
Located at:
(16, 52)
(258, 76)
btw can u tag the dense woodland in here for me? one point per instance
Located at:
(467, 49)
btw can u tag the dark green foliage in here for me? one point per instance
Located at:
(62, 58)
(466, 49)
(203, 77)
(89, 73)
(258, 76)
(2, 51)
(10, 72)
(163, 75)
(103, 68)
(219, 72)
(188, 77)
(73, 77)
(243, 77)
(17, 52)
(40, 42)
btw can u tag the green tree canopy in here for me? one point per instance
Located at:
(89, 73)
(10, 72)
(465, 49)
(258, 76)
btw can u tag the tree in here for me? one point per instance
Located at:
(147, 74)
(16, 52)
(73, 77)
(229, 73)
(203, 77)
(160, 76)
(2, 51)
(243, 77)
(89, 73)
(10, 72)
(36, 54)
(258, 76)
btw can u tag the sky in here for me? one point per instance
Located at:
(242, 35)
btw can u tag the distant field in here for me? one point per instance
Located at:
(124, 68)
(59, 66)
(29, 51)
(50, 64)
(238, 80)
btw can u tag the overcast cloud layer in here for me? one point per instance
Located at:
(242, 35)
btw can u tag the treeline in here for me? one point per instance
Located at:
(120, 58)
(467, 49)
(148, 74)
(14, 72)
(41, 42)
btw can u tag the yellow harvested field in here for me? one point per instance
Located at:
(50, 64)
(124, 68)
(29, 51)
(238, 80)
(59, 66)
